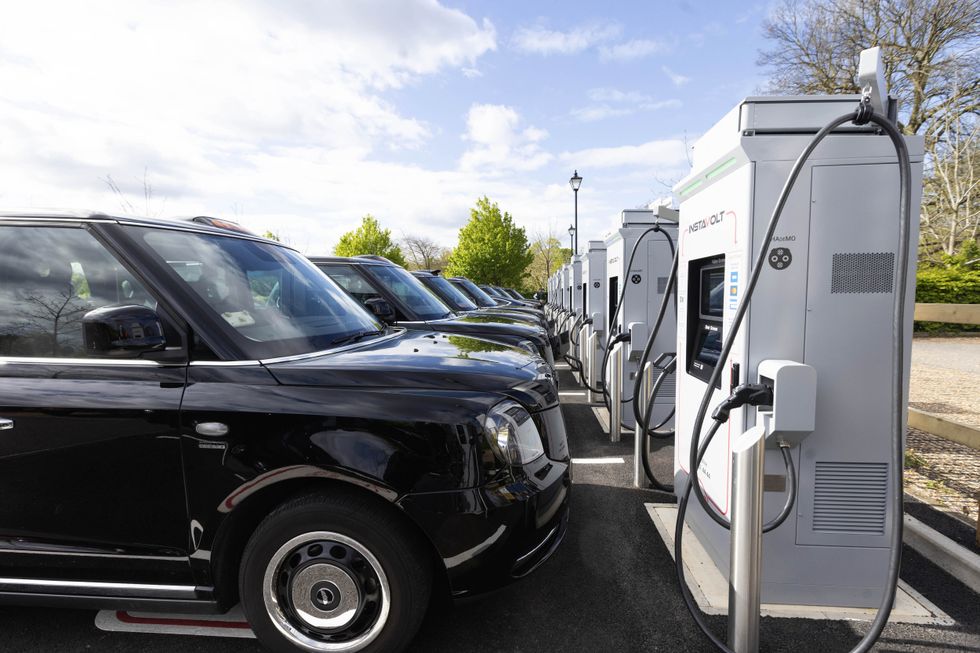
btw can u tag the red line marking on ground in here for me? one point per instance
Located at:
(127, 618)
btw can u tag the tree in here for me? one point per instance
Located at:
(424, 253)
(369, 238)
(929, 49)
(491, 249)
(549, 255)
(951, 194)
(151, 208)
(932, 66)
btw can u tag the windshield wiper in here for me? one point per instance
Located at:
(354, 337)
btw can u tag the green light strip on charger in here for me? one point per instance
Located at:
(721, 168)
(692, 186)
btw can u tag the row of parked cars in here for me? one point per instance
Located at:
(193, 417)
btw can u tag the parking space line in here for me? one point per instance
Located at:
(599, 461)
(230, 624)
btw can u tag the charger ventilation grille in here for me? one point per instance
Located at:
(863, 273)
(661, 285)
(850, 498)
(667, 389)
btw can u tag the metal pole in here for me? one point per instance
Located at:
(590, 362)
(744, 578)
(575, 250)
(615, 390)
(646, 386)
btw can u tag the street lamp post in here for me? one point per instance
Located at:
(575, 182)
(572, 231)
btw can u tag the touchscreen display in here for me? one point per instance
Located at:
(712, 291)
(709, 346)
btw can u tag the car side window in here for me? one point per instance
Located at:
(50, 278)
(351, 281)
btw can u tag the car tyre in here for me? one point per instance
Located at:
(335, 572)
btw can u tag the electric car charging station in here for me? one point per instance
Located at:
(575, 305)
(639, 255)
(812, 375)
(593, 330)
(781, 347)
(565, 306)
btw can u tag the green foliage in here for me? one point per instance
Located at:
(948, 286)
(968, 258)
(370, 238)
(549, 255)
(271, 235)
(953, 285)
(491, 249)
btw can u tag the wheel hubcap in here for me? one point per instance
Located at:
(325, 597)
(326, 592)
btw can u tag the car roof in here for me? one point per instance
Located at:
(354, 260)
(176, 224)
(424, 273)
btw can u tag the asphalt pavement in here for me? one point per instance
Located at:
(609, 587)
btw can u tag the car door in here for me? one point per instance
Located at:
(91, 484)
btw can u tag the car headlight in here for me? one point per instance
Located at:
(511, 431)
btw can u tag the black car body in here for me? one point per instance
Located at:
(457, 300)
(502, 295)
(371, 279)
(164, 419)
(485, 300)
(516, 294)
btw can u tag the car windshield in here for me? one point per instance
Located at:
(480, 297)
(410, 291)
(456, 296)
(269, 299)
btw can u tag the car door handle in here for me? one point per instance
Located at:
(6, 424)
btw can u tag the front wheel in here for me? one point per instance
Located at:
(334, 573)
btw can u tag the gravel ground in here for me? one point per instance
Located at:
(945, 378)
(945, 381)
(943, 473)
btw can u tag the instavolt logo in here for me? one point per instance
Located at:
(710, 221)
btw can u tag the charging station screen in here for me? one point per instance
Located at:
(706, 283)
(709, 346)
(613, 299)
(712, 291)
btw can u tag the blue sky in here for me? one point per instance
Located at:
(302, 115)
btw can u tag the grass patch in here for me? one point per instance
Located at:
(913, 460)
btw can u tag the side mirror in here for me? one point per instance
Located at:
(122, 331)
(381, 309)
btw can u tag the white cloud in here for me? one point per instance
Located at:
(598, 112)
(613, 103)
(215, 100)
(539, 40)
(667, 154)
(630, 50)
(499, 143)
(676, 78)
(615, 95)
(220, 70)
(280, 115)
